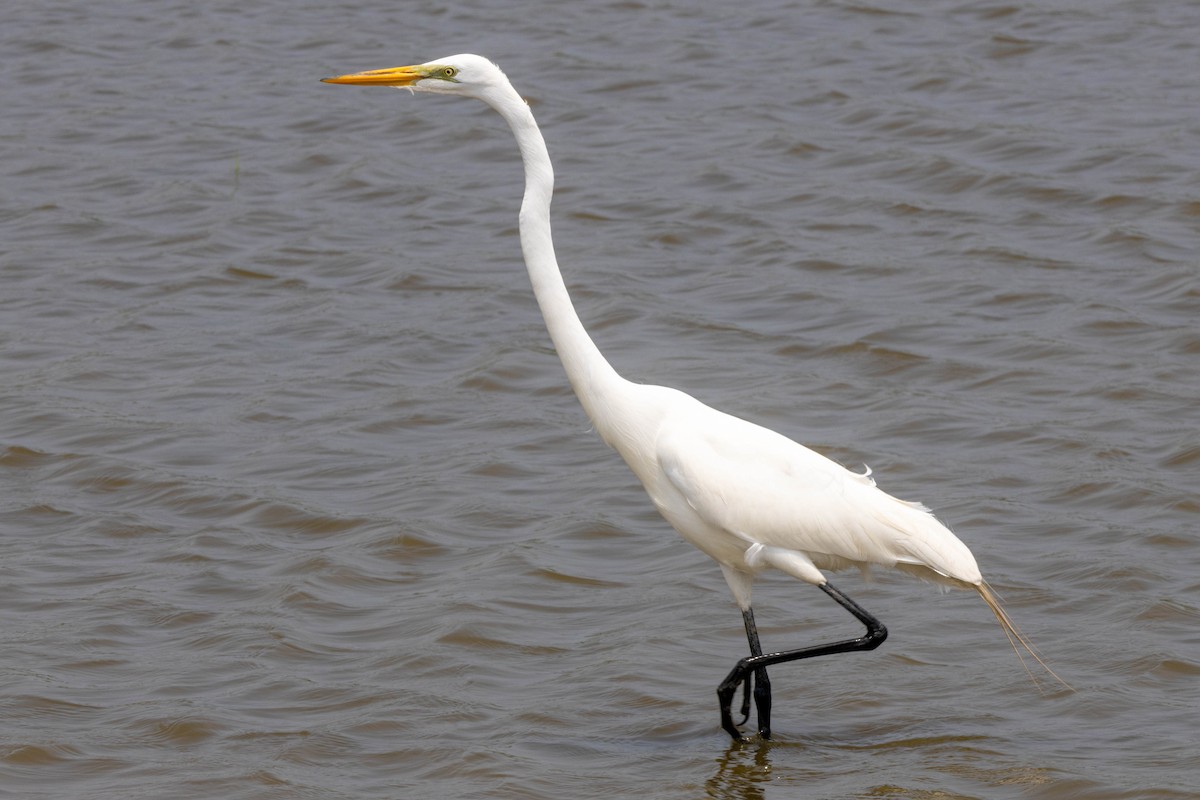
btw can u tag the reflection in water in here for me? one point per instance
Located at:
(742, 772)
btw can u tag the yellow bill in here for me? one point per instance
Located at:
(397, 76)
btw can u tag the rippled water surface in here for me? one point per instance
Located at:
(296, 502)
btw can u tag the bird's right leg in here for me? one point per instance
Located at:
(756, 678)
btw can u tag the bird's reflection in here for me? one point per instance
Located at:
(743, 772)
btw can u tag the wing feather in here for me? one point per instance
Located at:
(766, 489)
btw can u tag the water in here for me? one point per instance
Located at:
(296, 502)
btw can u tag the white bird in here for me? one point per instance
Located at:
(747, 496)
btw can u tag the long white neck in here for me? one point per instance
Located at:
(594, 380)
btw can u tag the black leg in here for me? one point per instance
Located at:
(760, 681)
(757, 663)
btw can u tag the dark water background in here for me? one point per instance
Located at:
(294, 502)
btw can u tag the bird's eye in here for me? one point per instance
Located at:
(448, 73)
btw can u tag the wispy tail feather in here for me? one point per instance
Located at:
(1015, 637)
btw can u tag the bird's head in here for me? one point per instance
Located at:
(467, 75)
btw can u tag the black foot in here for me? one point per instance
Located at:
(742, 675)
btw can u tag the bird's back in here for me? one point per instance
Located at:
(727, 484)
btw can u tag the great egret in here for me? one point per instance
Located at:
(748, 497)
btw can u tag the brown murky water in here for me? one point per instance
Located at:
(296, 502)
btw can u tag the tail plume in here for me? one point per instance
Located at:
(1015, 637)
